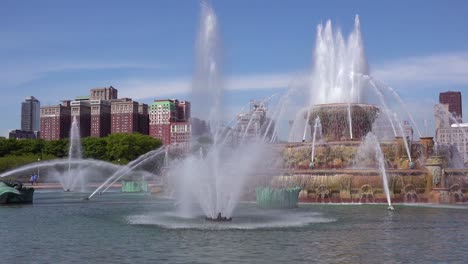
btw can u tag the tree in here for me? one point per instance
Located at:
(126, 147)
(95, 148)
(57, 148)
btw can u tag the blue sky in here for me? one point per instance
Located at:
(55, 50)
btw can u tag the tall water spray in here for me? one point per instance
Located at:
(207, 85)
(213, 181)
(314, 136)
(336, 75)
(371, 147)
(73, 175)
(403, 135)
(336, 64)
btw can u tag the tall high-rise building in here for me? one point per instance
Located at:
(454, 101)
(56, 121)
(143, 119)
(30, 114)
(169, 120)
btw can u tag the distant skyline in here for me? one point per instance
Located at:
(55, 50)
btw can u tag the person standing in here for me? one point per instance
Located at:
(36, 178)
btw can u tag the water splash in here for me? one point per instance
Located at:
(215, 181)
(74, 174)
(402, 103)
(314, 136)
(371, 146)
(384, 105)
(405, 141)
(125, 170)
(336, 64)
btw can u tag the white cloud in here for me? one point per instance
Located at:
(24, 72)
(140, 89)
(448, 68)
(431, 70)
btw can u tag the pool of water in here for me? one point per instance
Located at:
(134, 228)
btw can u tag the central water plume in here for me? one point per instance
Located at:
(74, 174)
(207, 86)
(336, 77)
(213, 176)
(338, 65)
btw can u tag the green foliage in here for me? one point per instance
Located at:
(117, 148)
(127, 147)
(94, 148)
(57, 148)
(13, 161)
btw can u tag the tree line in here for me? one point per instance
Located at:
(117, 148)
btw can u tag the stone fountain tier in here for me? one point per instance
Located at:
(335, 121)
(356, 185)
(342, 154)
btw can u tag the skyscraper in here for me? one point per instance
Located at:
(56, 121)
(454, 101)
(30, 114)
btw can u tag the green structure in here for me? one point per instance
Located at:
(135, 186)
(268, 197)
(12, 193)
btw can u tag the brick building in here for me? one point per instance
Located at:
(124, 116)
(106, 93)
(454, 102)
(169, 120)
(143, 119)
(100, 118)
(55, 121)
(180, 132)
(81, 109)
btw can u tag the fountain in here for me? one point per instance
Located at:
(340, 90)
(73, 175)
(213, 178)
(314, 136)
(371, 145)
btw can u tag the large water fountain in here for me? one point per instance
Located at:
(341, 160)
(347, 161)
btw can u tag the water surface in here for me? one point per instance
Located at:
(134, 228)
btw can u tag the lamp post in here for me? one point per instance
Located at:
(38, 168)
